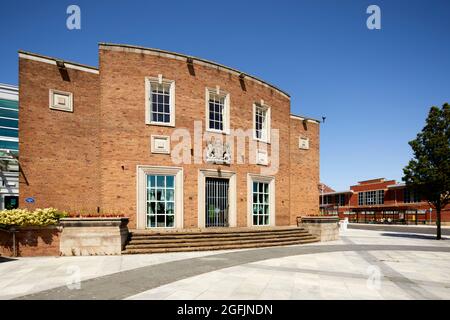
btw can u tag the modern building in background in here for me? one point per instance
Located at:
(153, 135)
(380, 201)
(9, 146)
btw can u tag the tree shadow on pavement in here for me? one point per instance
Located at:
(5, 259)
(413, 236)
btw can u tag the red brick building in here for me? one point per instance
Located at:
(157, 136)
(380, 201)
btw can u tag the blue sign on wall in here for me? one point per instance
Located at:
(29, 200)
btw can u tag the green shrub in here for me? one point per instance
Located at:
(24, 217)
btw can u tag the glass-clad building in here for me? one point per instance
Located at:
(9, 146)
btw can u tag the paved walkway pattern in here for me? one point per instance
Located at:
(361, 265)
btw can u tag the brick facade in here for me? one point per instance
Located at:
(59, 151)
(394, 205)
(30, 242)
(86, 160)
(304, 167)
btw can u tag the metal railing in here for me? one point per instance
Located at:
(216, 202)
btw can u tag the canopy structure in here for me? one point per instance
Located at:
(9, 160)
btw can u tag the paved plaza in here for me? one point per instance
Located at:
(363, 264)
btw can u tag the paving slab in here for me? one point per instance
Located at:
(330, 270)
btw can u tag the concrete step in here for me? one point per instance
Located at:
(217, 236)
(150, 240)
(214, 242)
(220, 247)
(184, 235)
(216, 230)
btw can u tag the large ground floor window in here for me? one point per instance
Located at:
(260, 200)
(160, 201)
(159, 197)
(261, 204)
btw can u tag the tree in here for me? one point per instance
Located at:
(429, 171)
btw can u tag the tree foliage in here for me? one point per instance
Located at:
(429, 171)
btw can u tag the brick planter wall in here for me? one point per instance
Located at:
(31, 241)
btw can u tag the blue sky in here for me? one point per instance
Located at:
(374, 86)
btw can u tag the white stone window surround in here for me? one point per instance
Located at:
(266, 125)
(148, 104)
(226, 111)
(232, 195)
(141, 190)
(251, 177)
(54, 106)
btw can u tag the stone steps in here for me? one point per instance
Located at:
(218, 239)
(221, 247)
(212, 232)
(207, 237)
(212, 242)
(155, 242)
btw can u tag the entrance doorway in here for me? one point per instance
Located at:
(216, 202)
(11, 202)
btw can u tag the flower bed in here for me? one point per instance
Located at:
(25, 218)
(51, 232)
(95, 215)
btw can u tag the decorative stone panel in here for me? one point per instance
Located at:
(325, 228)
(93, 236)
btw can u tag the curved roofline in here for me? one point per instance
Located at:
(193, 58)
(299, 117)
(44, 57)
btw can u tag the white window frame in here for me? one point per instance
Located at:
(371, 197)
(267, 129)
(226, 111)
(148, 105)
(52, 104)
(141, 188)
(260, 178)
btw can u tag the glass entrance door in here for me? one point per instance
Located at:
(216, 202)
(11, 202)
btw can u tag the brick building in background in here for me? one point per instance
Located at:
(103, 140)
(380, 201)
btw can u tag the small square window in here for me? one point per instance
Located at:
(61, 100)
